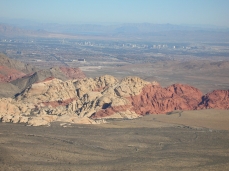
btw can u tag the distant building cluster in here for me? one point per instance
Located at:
(159, 46)
(79, 60)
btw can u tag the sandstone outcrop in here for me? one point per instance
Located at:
(49, 90)
(218, 99)
(153, 99)
(71, 101)
(90, 101)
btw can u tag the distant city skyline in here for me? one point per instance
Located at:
(193, 12)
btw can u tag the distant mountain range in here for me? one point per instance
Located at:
(143, 30)
(13, 31)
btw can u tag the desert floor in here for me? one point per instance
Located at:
(182, 140)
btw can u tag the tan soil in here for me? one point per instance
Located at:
(190, 140)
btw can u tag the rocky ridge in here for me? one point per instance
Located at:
(16, 65)
(11, 69)
(8, 74)
(91, 101)
(218, 99)
(62, 73)
(15, 76)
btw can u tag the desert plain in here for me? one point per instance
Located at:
(180, 140)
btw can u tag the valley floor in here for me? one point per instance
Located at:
(189, 140)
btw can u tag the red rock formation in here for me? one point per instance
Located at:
(218, 99)
(72, 100)
(73, 73)
(8, 74)
(154, 100)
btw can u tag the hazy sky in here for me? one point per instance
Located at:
(211, 12)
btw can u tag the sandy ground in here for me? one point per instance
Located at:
(182, 140)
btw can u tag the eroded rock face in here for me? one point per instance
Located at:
(218, 99)
(112, 100)
(49, 90)
(98, 84)
(88, 101)
(153, 99)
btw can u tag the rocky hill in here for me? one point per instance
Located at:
(8, 74)
(11, 69)
(90, 101)
(218, 99)
(15, 64)
(62, 73)
(18, 76)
